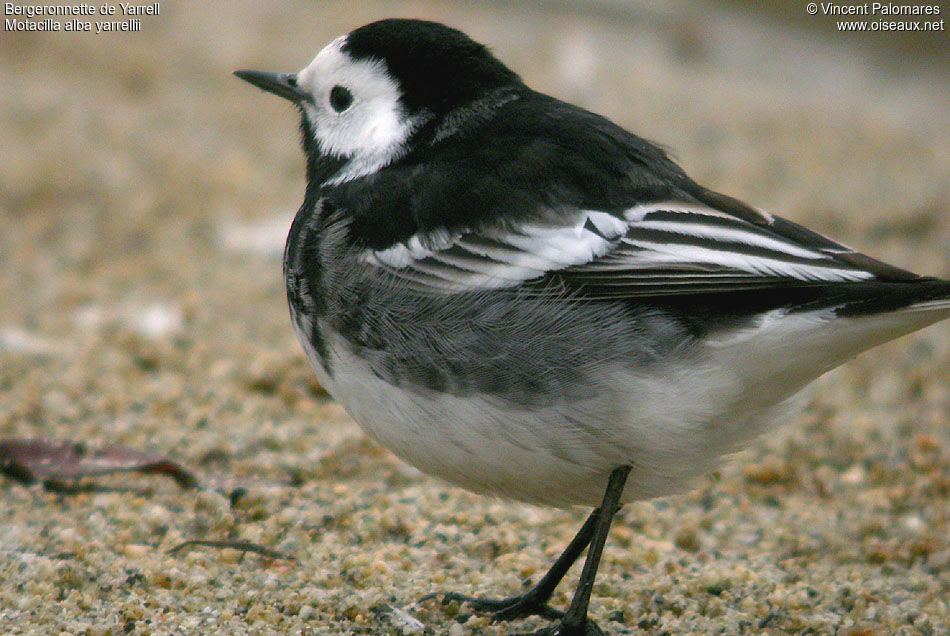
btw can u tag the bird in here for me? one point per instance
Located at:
(524, 299)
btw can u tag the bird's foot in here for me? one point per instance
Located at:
(587, 628)
(528, 604)
(504, 609)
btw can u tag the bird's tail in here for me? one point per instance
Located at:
(893, 310)
(793, 348)
(924, 296)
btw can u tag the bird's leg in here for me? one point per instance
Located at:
(574, 622)
(534, 602)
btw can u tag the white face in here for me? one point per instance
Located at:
(364, 120)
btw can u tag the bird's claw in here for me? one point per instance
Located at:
(504, 609)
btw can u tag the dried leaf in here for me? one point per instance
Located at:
(30, 460)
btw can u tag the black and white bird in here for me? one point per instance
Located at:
(526, 300)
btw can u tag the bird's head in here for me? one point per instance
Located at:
(366, 98)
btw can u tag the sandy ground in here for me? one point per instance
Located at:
(145, 195)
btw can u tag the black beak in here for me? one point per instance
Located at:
(280, 84)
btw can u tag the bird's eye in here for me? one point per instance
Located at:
(340, 98)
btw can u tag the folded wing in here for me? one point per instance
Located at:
(655, 249)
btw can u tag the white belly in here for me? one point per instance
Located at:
(670, 426)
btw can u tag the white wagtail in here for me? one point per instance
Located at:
(521, 297)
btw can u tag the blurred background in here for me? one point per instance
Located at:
(145, 194)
